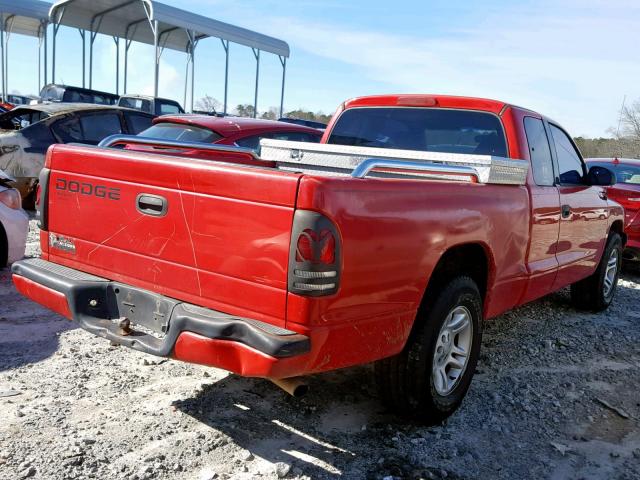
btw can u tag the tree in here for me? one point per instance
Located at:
(244, 110)
(630, 120)
(208, 104)
(271, 114)
(309, 115)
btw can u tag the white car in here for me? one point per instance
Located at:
(14, 223)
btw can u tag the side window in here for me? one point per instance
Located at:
(570, 168)
(137, 123)
(539, 151)
(97, 126)
(68, 130)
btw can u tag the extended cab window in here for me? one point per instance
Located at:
(425, 129)
(181, 132)
(539, 151)
(570, 167)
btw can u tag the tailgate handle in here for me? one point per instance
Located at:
(153, 205)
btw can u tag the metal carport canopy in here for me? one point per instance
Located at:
(24, 17)
(154, 23)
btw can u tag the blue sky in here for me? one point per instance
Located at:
(573, 60)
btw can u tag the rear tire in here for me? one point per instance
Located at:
(596, 292)
(430, 377)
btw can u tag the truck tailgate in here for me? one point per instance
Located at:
(223, 241)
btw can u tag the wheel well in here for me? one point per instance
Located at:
(618, 228)
(470, 259)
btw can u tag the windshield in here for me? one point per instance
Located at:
(625, 173)
(181, 132)
(424, 129)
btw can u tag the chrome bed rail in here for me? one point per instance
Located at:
(359, 162)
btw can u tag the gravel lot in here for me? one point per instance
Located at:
(556, 395)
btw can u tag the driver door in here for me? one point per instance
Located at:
(584, 213)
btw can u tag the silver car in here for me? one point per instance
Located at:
(14, 223)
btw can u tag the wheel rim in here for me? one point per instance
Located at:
(453, 348)
(611, 273)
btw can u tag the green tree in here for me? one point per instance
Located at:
(244, 110)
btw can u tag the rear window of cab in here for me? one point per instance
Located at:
(423, 129)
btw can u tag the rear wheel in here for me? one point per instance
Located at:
(596, 292)
(430, 377)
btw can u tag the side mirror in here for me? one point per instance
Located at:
(601, 176)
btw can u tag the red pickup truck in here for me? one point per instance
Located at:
(416, 218)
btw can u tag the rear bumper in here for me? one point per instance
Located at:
(163, 326)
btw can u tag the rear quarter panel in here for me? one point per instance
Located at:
(393, 233)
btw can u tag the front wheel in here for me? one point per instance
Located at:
(596, 292)
(430, 377)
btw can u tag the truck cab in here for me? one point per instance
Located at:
(154, 105)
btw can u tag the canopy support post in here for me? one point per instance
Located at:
(256, 53)
(84, 56)
(42, 39)
(283, 62)
(8, 27)
(117, 42)
(156, 47)
(4, 87)
(225, 45)
(128, 40)
(57, 19)
(46, 53)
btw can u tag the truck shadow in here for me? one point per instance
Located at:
(29, 333)
(341, 428)
(326, 434)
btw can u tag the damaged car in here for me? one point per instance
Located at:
(26, 132)
(14, 223)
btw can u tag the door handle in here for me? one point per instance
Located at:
(566, 211)
(153, 205)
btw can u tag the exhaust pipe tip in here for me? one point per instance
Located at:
(294, 386)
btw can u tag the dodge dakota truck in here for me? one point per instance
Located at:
(417, 218)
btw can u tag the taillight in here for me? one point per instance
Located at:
(11, 198)
(314, 261)
(316, 247)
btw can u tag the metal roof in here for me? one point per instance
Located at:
(131, 19)
(25, 16)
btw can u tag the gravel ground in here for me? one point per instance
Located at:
(556, 395)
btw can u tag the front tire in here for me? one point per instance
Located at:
(430, 377)
(596, 292)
